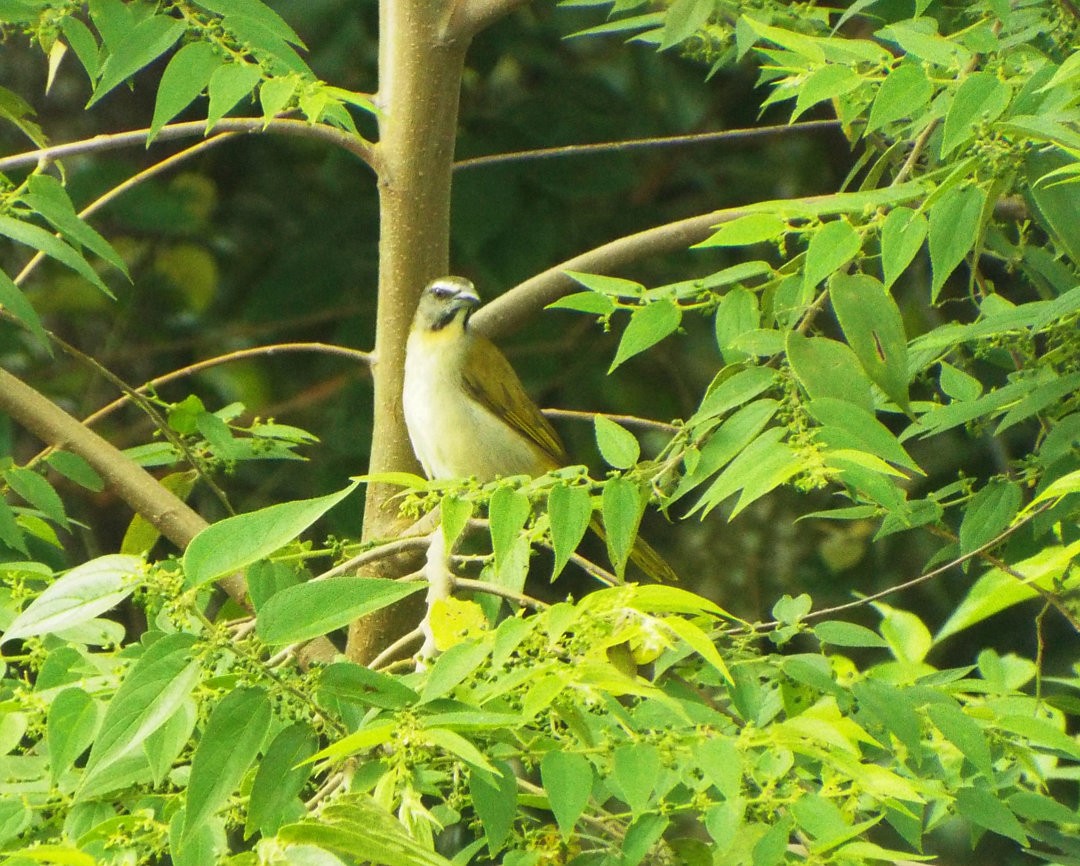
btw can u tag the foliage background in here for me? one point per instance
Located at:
(267, 239)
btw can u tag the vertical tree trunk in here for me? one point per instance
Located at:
(420, 72)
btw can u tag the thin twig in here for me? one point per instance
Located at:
(123, 187)
(501, 592)
(151, 412)
(642, 143)
(625, 420)
(382, 551)
(113, 141)
(417, 634)
(908, 584)
(229, 358)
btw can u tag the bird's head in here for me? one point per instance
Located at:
(444, 301)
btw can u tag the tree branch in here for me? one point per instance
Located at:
(280, 125)
(653, 143)
(238, 355)
(170, 515)
(469, 17)
(512, 309)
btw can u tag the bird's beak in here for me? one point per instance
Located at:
(466, 298)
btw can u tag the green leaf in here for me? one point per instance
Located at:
(568, 779)
(15, 816)
(998, 590)
(850, 427)
(762, 466)
(361, 832)
(258, 11)
(1039, 807)
(981, 98)
(187, 75)
(71, 726)
(769, 849)
(114, 21)
(141, 45)
(736, 314)
(721, 763)
(985, 809)
(827, 368)
(10, 532)
(283, 772)
(990, 511)
(622, 506)
(642, 836)
(229, 84)
(618, 446)
(83, 43)
(683, 19)
(636, 770)
(958, 385)
(837, 633)
(36, 490)
(955, 223)
(164, 745)
(275, 94)
(75, 468)
(825, 82)
(39, 239)
(569, 514)
(874, 329)
(908, 637)
(1041, 732)
(753, 228)
(508, 511)
(457, 745)
(834, 245)
(228, 746)
(49, 198)
(726, 442)
(451, 669)
(902, 236)
(648, 325)
(964, 733)
(307, 610)
(366, 687)
(153, 690)
(1054, 205)
(585, 302)
(615, 287)
(273, 52)
(919, 37)
(454, 514)
(236, 542)
(494, 797)
(728, 392)
(905, 92)
(78, 596)
(15, 302)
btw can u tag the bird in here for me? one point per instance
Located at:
(467, 412)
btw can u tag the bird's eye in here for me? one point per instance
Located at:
(441, 290)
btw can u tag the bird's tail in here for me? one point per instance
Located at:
(642, 554)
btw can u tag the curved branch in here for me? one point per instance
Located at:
(169, 514)
(469, 17)
(218, 360)
(512, 309)
(282, 125)
(118, 190)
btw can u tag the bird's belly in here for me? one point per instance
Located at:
(456, 437)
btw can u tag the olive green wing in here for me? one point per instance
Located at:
(492, 382)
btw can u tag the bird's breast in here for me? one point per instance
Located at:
(452, 434)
